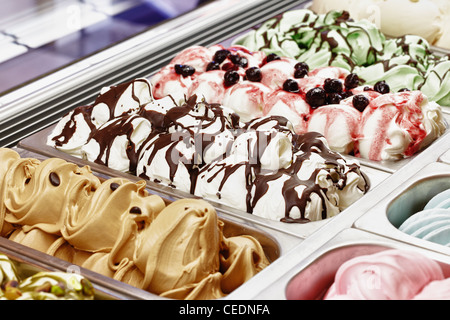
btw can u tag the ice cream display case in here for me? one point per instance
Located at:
(312, 134)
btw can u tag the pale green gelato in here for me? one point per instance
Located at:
(8, 270)
(334, 39)
(42, 285)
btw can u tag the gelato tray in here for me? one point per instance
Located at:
(287, 144)
(27, 270)
(135, 243)
(415, 212)
(37, 144)
(351, 255)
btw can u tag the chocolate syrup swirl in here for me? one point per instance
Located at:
(192, 124)
(112, 96)
(321, 32)
(70, 127)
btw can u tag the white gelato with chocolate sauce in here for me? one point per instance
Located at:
(261, 166)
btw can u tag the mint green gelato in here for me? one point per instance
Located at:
(334, 39)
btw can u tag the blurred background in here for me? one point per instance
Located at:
(40, 36)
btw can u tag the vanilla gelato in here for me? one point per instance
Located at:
(425, 18)
(207, 150)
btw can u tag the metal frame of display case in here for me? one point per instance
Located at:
(42, 102)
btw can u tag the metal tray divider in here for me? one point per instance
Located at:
(29, 108)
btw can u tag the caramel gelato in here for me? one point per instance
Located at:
(116, 228)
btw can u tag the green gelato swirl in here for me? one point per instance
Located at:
(334, 39)
(56, 286)
(42, 285)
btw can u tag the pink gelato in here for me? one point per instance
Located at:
(390, 275)
(366, 121)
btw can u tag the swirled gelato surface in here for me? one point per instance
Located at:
(335, 39)
(329, 100)
(425, 18)
(44, 285)
(206, 150)
(433, 222)
(390, 274)
(116, 228)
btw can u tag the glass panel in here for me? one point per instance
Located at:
(40, 36)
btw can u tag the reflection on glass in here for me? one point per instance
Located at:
(39, 36)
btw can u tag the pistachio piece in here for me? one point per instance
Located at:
(58, 289)
(45, 287)
(88, 288)
(74, 283)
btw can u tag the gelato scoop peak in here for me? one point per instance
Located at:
(335, 39)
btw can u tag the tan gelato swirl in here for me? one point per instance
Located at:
(117, 228)
(7, 158)
(199, 262)
(41, 194)
(243, 259)
(115, 213)
(181, 247)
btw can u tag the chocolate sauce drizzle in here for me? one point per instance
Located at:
(168, 130)
(111, 97)
(335, 22)
(70, 127)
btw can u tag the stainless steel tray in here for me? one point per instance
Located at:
(37, 144)
(445, 157)
(311, 277)
(274, 242)
(385, 218)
